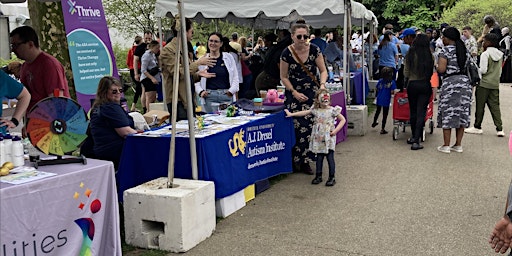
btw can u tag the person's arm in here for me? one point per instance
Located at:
(320, 63)
(340, 125)
(22, 105)
(501, 235)
(484, 61)
(298, 113)
(441, 65)
(283, 72)
(125, 131)
(136, 61)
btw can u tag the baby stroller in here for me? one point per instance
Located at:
(401, 114)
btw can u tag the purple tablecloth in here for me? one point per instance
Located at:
(338, 99)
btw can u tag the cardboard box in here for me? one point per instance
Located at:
(160, 114)
(230, 204)
(249, 193)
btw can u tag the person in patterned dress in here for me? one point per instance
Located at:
(301, 86)
(323, 135)
(454, 108)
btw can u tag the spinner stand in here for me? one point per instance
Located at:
(57, 126)
(60, 160)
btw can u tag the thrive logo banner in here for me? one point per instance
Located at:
(90, 49)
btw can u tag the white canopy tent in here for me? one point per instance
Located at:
(266, 14)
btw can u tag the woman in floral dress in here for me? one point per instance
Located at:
(301, 87)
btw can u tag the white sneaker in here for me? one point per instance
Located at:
(500, 134)
(457, 149)
(473, 130)
(444, 149)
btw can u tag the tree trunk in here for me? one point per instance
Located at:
(48, 21)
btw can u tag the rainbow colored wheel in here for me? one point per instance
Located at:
(57, 126)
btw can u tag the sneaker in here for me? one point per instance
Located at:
(457, 149)
(416, 146)
(317, 180)
(383, 131)
(444, 149)
(473, 130)
(500, 134)
(375, 124)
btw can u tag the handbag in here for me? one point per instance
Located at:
(472, 72)
(154, 71)
(303, 67)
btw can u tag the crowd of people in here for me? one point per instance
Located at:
(226, 69)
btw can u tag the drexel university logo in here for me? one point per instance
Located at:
(237, 143)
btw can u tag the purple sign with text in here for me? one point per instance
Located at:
(89, 45)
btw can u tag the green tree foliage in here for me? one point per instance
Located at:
(471, 13)
(419, 13)
(133, 17)
(120, 54)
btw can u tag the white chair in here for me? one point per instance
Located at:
(139, 120)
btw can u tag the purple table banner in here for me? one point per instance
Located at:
(89, 46)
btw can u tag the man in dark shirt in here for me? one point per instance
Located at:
(269, 78)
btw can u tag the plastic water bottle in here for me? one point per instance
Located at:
(331, 73)
(17, 152)
(8, 148)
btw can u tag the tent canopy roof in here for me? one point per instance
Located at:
(267, 14)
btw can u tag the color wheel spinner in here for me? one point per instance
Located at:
(57, 126)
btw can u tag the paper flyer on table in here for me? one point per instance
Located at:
(24, 177)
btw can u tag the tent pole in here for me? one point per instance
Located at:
(362, 60)
(174, 111)
(190, 104)
(346, 71)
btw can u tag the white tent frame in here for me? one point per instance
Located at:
(269, 14)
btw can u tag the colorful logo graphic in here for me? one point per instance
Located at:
(87, 224)
(72, 9)
(237, 143)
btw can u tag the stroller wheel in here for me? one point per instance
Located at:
(431, 126)
(395, 133)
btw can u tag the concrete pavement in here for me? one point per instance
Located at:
(388, 200)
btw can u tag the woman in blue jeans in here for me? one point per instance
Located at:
(224, 85)
(419, 66)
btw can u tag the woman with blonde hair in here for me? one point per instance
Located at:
(298, 70)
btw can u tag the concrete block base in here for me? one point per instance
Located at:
(357, 119)
(171, 219)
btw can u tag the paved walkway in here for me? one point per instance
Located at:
(388, 200)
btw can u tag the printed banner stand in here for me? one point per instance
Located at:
(90, 49)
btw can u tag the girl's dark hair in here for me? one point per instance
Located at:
(385, 40)
(387, 73)
(460, 48)
(300, 23)
(103, 88)
(419, 57)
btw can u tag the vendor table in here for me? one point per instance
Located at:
(233, 158)
(338, 99)
(74, 212)
(357, 86)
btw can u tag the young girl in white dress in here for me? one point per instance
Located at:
(323, 135)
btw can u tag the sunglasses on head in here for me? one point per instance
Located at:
(301, 36)
(116, 91)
